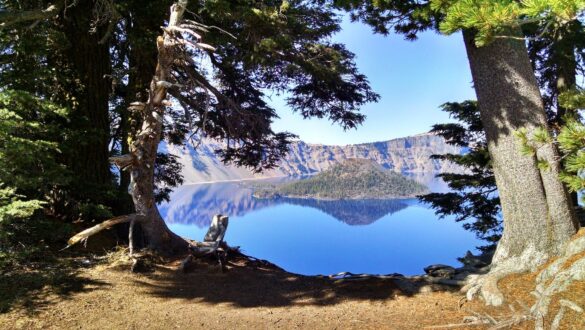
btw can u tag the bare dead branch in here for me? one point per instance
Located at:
(199, 78)
(206, 28)
(171, 29)
(137, 106)
(122, 161)
(84, 235)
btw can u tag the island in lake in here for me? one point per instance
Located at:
(352, 179)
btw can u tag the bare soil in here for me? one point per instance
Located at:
(249, 295)
(82, 290)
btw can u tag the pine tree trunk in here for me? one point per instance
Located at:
(91, 63)
(144, 148)
(563, 53)
(537, 212)
(142, 57)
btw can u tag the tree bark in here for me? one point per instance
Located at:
(144, 148)
(91, 63)
(537, 213)
(142, 59)
(563, 51)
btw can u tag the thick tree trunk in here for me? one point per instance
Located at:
(537, 212)
(91, 62)
(563, 52)
(142, 58)
(144, 148)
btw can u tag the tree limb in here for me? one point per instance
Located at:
(8, 18)
(84, 235)
(122, 161)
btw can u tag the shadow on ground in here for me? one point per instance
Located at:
(247, 285)
(37, 285)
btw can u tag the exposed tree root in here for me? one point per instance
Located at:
(486, 285)
(553, 279)
(513, 319)
(487, 320)
(556, 278)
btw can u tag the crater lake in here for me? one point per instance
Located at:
(311, 237)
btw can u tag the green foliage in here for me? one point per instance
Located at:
(283, 47)
(573, 99)
(556, 42)
(31, 239)
(91, 211)
(527, 148)
(167, 174)
(404, 17)
(29, 138)
(13, 207)
(353, 179)
(492, 18)
(473, 197)
(530, 143)
(30, 170)
(571, 141)
(261, 47)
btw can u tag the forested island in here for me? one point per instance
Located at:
(352, 179)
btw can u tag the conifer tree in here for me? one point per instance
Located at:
(30, 171)
(472, 198)
(537, 212)
(255, 47)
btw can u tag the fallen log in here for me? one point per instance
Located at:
(84, 235)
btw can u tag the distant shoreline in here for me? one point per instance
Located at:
(238, 180)
(336, 199)
(284, 176)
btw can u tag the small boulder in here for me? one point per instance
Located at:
(140, 265)
(478, 261)
(439, 270)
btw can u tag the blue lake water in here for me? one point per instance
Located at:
(323, 237)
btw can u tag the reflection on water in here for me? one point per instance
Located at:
(196, 205)
(352, 212)
(309, 237)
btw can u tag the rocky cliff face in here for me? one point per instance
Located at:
(406, 155)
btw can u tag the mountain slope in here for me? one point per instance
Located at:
(405, 155)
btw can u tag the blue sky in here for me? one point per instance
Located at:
(412, 78)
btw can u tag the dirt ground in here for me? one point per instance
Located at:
(249, 295)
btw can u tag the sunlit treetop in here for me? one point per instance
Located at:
(492, 18)
(488, 18)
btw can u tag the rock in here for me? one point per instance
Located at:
(461, 276)
(139, 265)
(439, 270)
(409, 154)
(479, 261)
(405, 285)
(426, 289)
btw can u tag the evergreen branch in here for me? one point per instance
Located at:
(9, 18)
